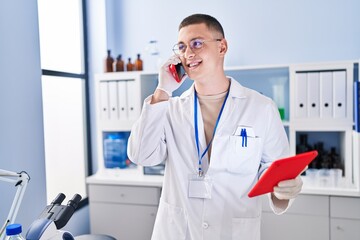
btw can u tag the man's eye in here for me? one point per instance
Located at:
(182, 47)
(197, 44)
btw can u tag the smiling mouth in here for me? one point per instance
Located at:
(193, 64)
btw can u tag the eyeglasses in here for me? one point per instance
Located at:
(195, 45)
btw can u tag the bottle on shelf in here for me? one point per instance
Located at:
(13, 231)
(337, 168)
(119, 64)
(109, 61)
(138, 64)
(320, 161)
(129, 65)
(335, 159)
(153, 53)
(303, 145)
(279, 95)
(326, 161)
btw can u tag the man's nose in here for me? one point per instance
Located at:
(189, 53)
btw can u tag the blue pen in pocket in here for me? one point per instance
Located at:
(243, 135)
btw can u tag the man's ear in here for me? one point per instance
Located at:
(223, 46)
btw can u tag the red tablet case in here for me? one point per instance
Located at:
(282, 169)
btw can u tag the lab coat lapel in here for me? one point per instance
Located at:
(226, 113)
(236, 91)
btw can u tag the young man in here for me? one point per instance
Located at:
(200, 135)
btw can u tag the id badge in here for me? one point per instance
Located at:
(200, 187)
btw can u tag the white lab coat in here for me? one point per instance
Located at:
(165, 131)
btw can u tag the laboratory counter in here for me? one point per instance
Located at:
(130, 177)
(114, 195)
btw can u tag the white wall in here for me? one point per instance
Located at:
(258, 32)
(21, 126)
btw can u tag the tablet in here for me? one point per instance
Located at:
(282, 169)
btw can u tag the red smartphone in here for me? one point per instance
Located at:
(177, 71)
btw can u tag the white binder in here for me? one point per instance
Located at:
(113, 103)
(300, 95)
(133, 103)
(326, 94)
(313, 99)
(122, 100)
(339, 79)
(104, 101)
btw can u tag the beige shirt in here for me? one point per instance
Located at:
(210, 109)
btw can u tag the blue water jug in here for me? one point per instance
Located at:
(115, 149)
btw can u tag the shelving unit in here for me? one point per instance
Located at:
(120, 95)
(321, 100)
(118, 104)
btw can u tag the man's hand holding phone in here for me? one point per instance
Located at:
(170, 80)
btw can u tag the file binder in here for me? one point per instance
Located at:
(300, 95)
(113, 104)
(357, 106)
(122, 99)
(104, 101)
(313, 99)
(326, 95)
(339, 78)
(134, 105)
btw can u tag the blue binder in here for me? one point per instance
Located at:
(357, 106)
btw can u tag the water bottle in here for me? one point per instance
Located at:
(13, 231)
(115, 145)
(154, 55)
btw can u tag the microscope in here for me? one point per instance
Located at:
(54, 217)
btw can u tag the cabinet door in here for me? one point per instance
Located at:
(345, 207)
(122, 221)
(307, 218)
(345, 218)
(294, 227)
(344, 229)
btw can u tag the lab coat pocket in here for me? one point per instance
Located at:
(246, 228)
(170, 224)
(244, 155)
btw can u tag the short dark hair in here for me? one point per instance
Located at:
(211, 22)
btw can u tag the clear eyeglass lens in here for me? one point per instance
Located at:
(196, 44)
(181, 48)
